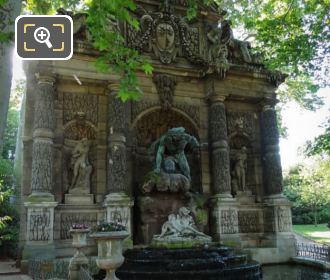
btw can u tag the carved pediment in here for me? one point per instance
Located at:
(165, 34)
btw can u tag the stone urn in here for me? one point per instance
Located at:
(109, 246)
(79, 241)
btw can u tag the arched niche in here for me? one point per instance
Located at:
(154, 122)
(76, 130)
(147, 128)
(73, 132)
(237, 141)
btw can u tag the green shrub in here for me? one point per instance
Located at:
(8, 214)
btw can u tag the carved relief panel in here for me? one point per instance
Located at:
(229, 221)
(248, 222)
(39, 224)
(284, 219)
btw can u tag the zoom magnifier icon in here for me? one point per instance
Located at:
(41, 35)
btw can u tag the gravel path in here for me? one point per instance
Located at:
(302, 239)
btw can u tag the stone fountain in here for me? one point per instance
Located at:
(207, 118)
(181, 250)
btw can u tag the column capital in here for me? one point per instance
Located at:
(114, 86)
(268, 103)
(216, 98)
(46, 78)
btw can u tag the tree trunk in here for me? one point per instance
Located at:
(8, 14)
(315, 216)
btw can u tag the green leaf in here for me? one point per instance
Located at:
(147, 68)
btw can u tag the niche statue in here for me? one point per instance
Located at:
(239, 171)
(171, 169)
(81, 167)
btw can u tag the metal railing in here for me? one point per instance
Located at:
(42, 269)
(84, 274)
(313, 251)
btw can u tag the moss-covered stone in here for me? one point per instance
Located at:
(188, 244)
(39, 198)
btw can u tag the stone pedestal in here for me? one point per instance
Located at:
(40, 231)
(245, 197)
(224, 218)
(119, 209)
(75, 199)
(153, 212)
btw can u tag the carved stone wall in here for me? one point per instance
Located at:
(68, 219)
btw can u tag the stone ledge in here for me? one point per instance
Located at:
(312, 262)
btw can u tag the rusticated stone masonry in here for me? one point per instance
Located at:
(219, 146)
(44, 125)
(117, 162)
(271, 157)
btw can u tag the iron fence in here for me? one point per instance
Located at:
(43, 269)
(313, 251)
(84, 274)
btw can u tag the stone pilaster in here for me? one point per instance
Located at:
(118, 203)
(117, 162)
(219, 148)
(40, 204)
(273, 179)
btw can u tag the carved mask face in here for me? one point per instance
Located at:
(165, 36)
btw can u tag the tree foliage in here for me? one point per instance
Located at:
(309, 190)
(321, 144)
(10, 135)
(292, 35)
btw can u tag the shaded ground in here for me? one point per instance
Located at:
(15, 277)
(9, 271)
(8, 266)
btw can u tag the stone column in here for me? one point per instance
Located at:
(223, 204)
(219, 148)
(273, 179)
(118, 202)
(40, 204)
